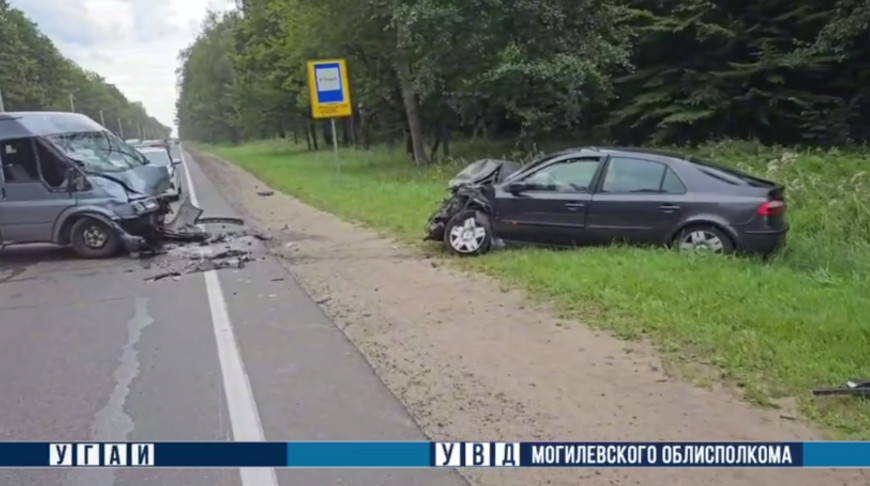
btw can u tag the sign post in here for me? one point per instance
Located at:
(330, 95)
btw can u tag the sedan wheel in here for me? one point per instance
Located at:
(704, 240)
(468, 237)
(468, 233)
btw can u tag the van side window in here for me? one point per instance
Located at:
(52, 168)
(19, 160)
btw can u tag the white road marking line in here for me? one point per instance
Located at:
(244, 418)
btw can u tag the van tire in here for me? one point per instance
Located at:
(92, 238)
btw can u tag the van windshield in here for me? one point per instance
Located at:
(98, 151)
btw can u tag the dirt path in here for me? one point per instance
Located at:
(473, 362)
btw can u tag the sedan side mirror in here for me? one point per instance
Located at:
(517, 187)
(176, 161)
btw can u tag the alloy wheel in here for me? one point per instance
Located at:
(467, 237)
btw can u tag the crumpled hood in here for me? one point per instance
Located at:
(483, 171)
(147, 180)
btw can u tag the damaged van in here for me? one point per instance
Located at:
(69, 181)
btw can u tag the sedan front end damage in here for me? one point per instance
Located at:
(465, 197)
(470, 189)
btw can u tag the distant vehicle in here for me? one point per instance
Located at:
(69, 181)
(592, 196)
(162, 157)
(132, 141)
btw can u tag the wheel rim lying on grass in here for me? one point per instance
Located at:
(701, 241)
(467, 237)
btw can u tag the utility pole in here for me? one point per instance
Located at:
(120, 128)
(102, 119)
(72, 103)
(140, 131)
(2, 106)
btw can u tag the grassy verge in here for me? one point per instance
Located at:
(774, 329)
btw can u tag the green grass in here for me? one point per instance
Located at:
(773, 329)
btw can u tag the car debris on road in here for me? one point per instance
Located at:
(190, 249)
(855, 387)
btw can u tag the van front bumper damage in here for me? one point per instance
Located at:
(148, 232)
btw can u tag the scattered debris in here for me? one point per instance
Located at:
(856, 388)
(230, 253)
(265, 193)
(226, 250)
(235, 221)
(183, 247)
(161, 276)
(278, 279)
(186, 236)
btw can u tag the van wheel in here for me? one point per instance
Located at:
(91, 238)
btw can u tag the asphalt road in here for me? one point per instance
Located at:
(91, 350)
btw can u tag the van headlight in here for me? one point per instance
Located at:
(145, 206)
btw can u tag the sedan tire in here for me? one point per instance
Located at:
(703, 239)
(469, 233)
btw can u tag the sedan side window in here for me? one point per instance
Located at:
(672, 184)
(637, 175)
(573, 175)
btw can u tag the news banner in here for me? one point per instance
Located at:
(434, 454)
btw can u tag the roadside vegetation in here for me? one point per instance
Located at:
(435, 84)
(35, 76)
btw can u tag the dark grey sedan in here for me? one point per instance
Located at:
(592, 196)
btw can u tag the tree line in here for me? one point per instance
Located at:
(623, 71)
(35, 76)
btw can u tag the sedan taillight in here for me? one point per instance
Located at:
(772, 208)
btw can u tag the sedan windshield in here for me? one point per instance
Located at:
(98, 151)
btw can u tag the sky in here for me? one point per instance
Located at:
(133, 44)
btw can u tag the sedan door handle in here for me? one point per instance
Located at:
(575, 205)
(669, 207)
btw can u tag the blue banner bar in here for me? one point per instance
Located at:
(359, 454)
(837, 454)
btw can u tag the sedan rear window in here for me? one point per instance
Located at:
(724, 173)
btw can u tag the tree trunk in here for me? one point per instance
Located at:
(327, 133)
(409, 99)
(364, 128)
(353, 128)
(345, 133)
(445, 146)
(313, 129)
(433, 152)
